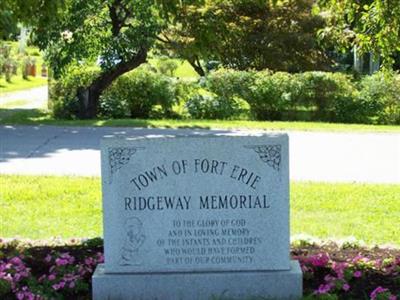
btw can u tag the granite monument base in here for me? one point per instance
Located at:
(201, 285)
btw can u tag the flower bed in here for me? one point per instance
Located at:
(58, 270)
(331, 272)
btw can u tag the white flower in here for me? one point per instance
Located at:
(67, 36)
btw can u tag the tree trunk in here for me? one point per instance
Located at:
(195, 63)
(89, 97)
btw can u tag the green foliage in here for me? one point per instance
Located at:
(228, 94)
(184, 89)
(83, 31)
(8, 63)
(371, 25)
(227, 89)
(8, 25)
(136, 93)
(332, 95)
(5, 287)
(228, 83)
(380, 97)
(277, 96)
(167, 66)
(322, 96)
(8, 20)
(213, 107)
(271, 94)
(241, 34)
(63, 93)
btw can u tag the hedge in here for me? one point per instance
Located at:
(63, 93)
(136, 93)
(230, 94)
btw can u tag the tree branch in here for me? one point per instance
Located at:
(118, 21)
(162, 40)
(114, 19)
(106, 78)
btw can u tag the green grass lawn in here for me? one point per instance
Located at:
(42, 207)
(13, 104)
(41, 117)
(184, 70)
(18, 83)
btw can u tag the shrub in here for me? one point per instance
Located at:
(136, 93)
(213, 107)
(7, 62)
(272, 94)
(227, 89)
(167, 66)
(64, 101)
(185, 90)
(226, 83)
(380, 97)
(331, 95)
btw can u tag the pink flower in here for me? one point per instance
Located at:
(357, 274)
(329, 278)
(357, 258)
(378, 263)
(339, 269)
(100, 257)
(319, 260)
(61, 262)
(392, 297)
(377, 291)
(71, 285)
(323, 289)
(68, 257)
(47, 258)
(89, 261)
(16, 260)
(51, 277)
(58, 286)
(346, 287)
(17, 277)
(26, 294)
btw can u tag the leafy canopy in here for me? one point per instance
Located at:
(111, 31)
(242, 34)
(371, 25)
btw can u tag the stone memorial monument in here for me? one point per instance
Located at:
(196, 217)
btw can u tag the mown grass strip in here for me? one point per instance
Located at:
(18, 83)
(41, 117)
(40, 207)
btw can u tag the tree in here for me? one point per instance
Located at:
(116, 33)
(8, 21)
(241, 34)
(8, 25)
(370, 25)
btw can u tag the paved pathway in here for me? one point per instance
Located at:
(315, 156)
(35, 98)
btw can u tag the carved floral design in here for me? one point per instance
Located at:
(118, 157)
(270, 154)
